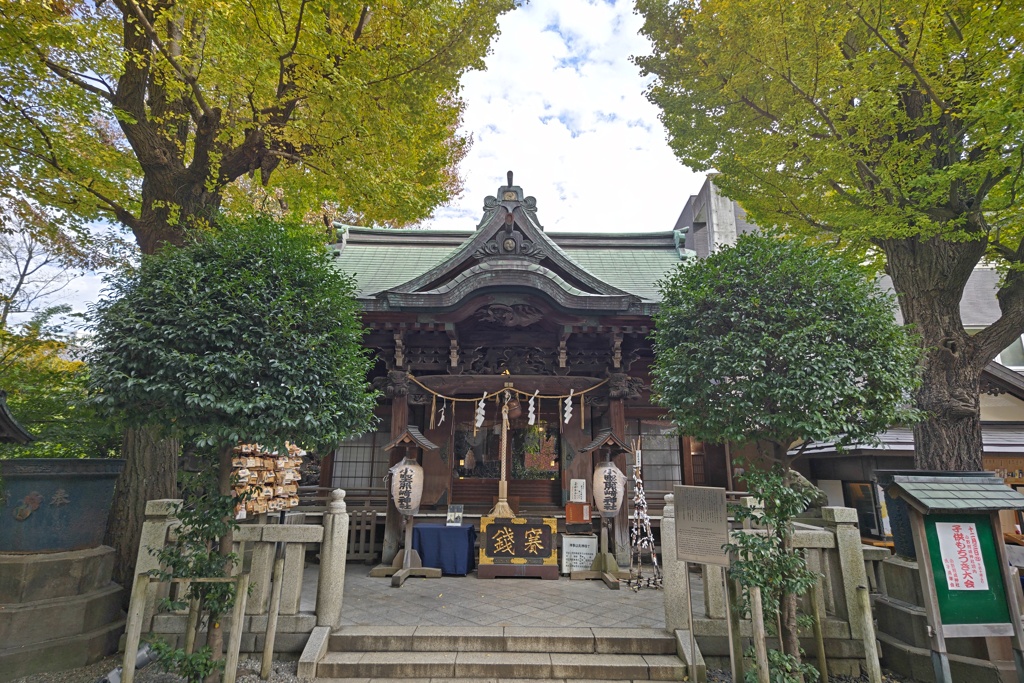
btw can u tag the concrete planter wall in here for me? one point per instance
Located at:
(55, 504)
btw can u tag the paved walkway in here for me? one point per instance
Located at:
(469, 601)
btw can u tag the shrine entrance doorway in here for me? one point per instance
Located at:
(532, 461)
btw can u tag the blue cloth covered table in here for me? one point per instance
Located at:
(449, 548)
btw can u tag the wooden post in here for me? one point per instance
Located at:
(399, 423)
(940, 657)
(237, 627)
(275, 607)
(819, 640)
(192, 626)
(759, 634)
(870, 645)
(732, 607)
(133, 632)
(1011, 583)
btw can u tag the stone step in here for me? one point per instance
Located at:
(499, 665)
(638, 641)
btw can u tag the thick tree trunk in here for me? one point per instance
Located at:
(930, 276)
(150, 473)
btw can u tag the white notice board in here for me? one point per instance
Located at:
(702, 525)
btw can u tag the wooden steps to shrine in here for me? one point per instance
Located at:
(400, 653)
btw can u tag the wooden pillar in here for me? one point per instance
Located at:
(326, 470)
(620, 527)
(397, 389)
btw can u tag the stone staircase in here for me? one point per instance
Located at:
(397, 653)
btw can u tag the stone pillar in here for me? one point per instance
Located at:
(159, 517)
(714, 591)
(851, 562)
(333, 549)
(677, 595)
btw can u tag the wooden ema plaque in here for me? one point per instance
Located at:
(518, 547)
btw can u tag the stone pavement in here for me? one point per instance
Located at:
(469, 601)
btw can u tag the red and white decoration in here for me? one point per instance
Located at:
(961, 556)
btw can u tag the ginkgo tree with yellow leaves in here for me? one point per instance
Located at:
(157, 114)
(892, 128)
(147, 111)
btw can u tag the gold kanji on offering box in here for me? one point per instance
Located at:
(520, 546)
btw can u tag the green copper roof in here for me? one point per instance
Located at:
(972, 492)
(382, 259)
(636, 271)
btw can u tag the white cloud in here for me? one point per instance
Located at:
(562, 106)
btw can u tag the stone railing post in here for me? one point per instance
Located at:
(677, 597)
(333, 549)
(159, 518)
(851, 562)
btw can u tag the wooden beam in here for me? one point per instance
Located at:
(450, 385)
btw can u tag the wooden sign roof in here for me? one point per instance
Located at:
(606, 439)
(411, 437)
(956, 492)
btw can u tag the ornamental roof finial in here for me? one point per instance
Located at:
(510, 178)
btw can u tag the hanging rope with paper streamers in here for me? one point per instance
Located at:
(531, 412)
(481, 409)
(567, 412)
(443, 404)
(495, 394)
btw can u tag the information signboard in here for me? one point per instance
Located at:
(702, 524)
(968, 582)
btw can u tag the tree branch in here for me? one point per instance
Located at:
(925, 85)
(183, 73)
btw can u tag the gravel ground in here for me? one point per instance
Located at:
(248, 672)
(718, 676)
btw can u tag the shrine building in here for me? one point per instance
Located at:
(561, 319)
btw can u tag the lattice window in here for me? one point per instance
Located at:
(359, 462)
(660, 453)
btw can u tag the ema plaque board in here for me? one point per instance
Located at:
(702, 525)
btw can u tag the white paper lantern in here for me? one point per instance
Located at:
(407, 486)
(609, 489)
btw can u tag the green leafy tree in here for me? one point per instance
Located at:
(249, 335)
(780, 344)
(47, 391)
(155, 114)
(894, 128)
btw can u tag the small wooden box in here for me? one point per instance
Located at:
(577, 513)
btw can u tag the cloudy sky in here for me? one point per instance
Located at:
(562, 106)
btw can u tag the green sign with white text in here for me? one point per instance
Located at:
(968, 578)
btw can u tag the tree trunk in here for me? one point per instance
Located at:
(150, 473)
(215, 639)
(789, 638)
(930, 276)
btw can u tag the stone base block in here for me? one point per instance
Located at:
(62, 653)
(22, 625)
(45, 576)
(916, 663)
(902, 580)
